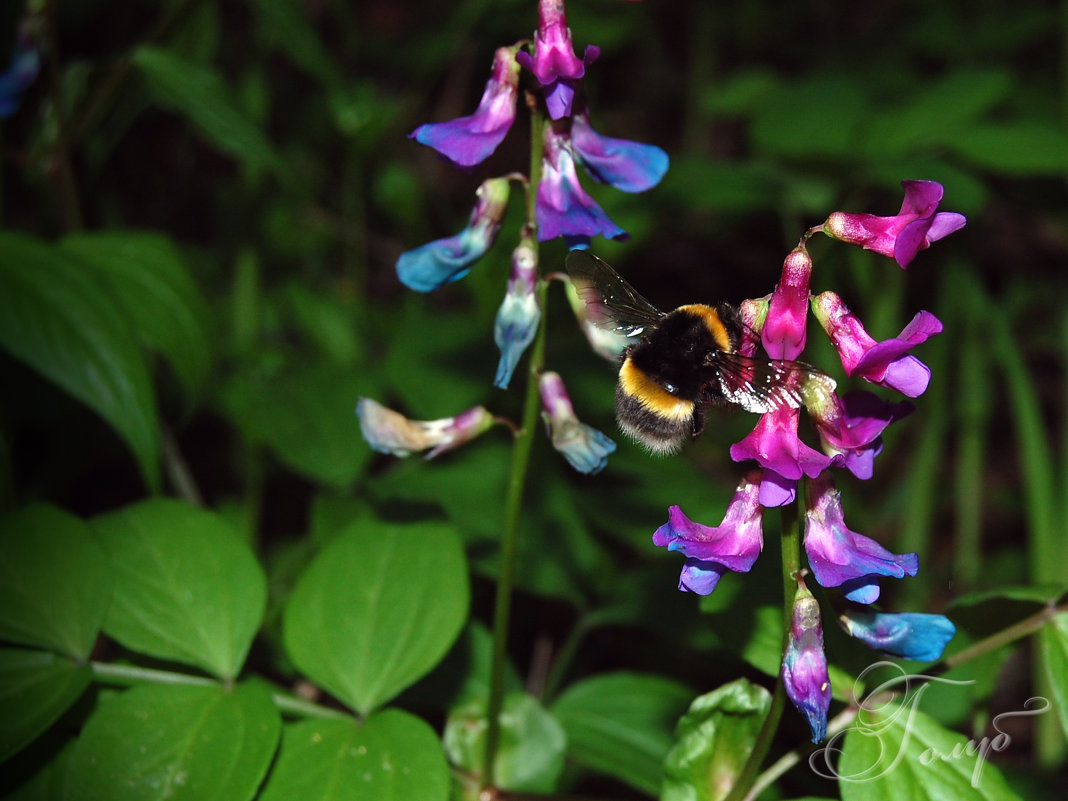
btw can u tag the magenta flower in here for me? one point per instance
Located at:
(436, 263)
(387, 431)
(518, 316)
(554, 62)
(628, 166)
(563, 207)
(909, 635)
(843, 558)
(586, 449)
(775, 446)
(710, 551)
(804, 663)
(850, 428)
(469, 140)
(886, 363)
(783, 334)
(905, 234)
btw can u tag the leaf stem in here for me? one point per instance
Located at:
(516, 481)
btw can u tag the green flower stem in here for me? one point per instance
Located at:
(513, 504)
(791, 563)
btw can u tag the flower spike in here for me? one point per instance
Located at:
(905, 234)
(585, 448)
(431, 266)
(469, 140)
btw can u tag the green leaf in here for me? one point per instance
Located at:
(1055, 660)
(530, 755)
(792, 127)
(187, 587)
(200, 94)
(55, 581)
(392, 756)
(1015, 148)
(36, 687)
(58, 321)
(177, 742)
(897, 751)
(377, 608)
(307, 416)
(715, 739)
(327, 321)
(622, 724)
(144, 273)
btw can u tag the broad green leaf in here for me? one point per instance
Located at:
(62, 324)
(1039, 595)
(187, 588)
(200, 94)
(36, 687)
(377, 608)
(790, 126)
(145, 275)
(178, 742)
(392, 756)
(530, 754)
(715, 738)
(896, 751)
(55, 581)
(1017, 148)
(1055, 657)
(622, 724)
(307, 416)
(327, 321)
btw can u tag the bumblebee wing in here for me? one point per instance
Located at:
(762, 385)
(611, 302)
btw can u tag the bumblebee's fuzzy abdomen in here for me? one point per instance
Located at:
(649, 413)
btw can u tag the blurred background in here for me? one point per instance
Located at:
(266, 142)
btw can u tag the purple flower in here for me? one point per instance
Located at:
(783, 334)
(387, 431)
(563, 207)
(774, 444)
(586, 449)
(518, 316)
(905, 234)
(850, 428)
(554, 62)
(735, 544)
(436, 263)
(628, 166)
(25, 64)
(886, 363)
(804, 664)
(469, 140)
(843, 558)
(909, 635)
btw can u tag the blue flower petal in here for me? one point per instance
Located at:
(910, 635)
(436, 263)
(628, 166)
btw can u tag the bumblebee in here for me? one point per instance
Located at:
(679, 363)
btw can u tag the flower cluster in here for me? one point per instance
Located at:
(850, 429)
(550, 74)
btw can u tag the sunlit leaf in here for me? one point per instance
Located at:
(177, 742)
(36, 687)
(64, 325)
(187, 587)
(55, 581)
(392, 756)
(377, 609)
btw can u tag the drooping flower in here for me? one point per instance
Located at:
(914, 228)
(25, 64)
(804, 664)
(469, 140)
(851, 426)
(783, 333)
(554, 62)
(843, 558)
(606, 342)
(563, 207)
(909, 635)
(628, 166)
(585, 448)
(518, 316)
(775, 446)
(887, 363)
(387, 431)
(436, 263)
(710, 551)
